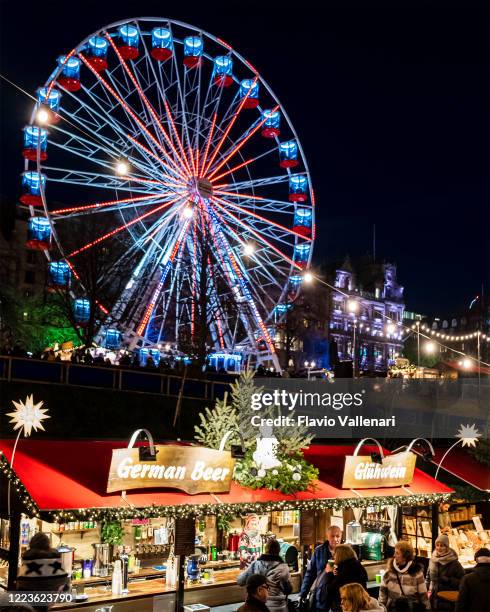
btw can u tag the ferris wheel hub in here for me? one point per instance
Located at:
(201, 187)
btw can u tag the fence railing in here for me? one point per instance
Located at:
(117, 378)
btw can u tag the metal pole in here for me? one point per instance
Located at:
(418, 344)
(479, 361)
(354, 349)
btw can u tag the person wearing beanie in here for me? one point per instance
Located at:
(41, 568)
(445, 573)
(257, 592)
(474, 590)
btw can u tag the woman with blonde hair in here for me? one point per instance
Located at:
(353, 598)
(403, 585)
(347, 568)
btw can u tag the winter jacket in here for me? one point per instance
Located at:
(445, 574)
(315, 567)
(474, 590)
(348, 571)
(278, 576)
(374, 606)
(412, 580)
(253, 605)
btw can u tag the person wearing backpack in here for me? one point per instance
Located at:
(272, 566)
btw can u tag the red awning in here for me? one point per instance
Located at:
(62, 475)
(461, 464)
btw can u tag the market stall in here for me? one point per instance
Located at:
(98, 510)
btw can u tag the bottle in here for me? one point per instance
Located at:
(117, 578)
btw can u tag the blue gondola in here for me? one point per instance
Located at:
(128, 42)
(272, 123)
(31, 188)
(81, 311)
(295, 280)
(288, 154)
(38, 233)
(144, 353)
(35, 140)
(302, 221)
(112, 339)
(59, 275)
(162, 44)
(97, 53)
(193, 48)
(231, 362)
(69, 77)
(298, 188)
(49, 99)
(302, 253)
(250, 87)
(223, 71)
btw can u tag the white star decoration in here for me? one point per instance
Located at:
(469, 435)
(28, 415)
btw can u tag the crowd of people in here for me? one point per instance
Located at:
(334, 581)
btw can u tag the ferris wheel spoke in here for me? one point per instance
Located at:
(264, 220)
(255, 233)
(132, 114)
(245, 163)
(156, 121)
(239, 145)
(123, 227)
(225, 133)
(254, 183)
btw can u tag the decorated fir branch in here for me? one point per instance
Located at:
(273, 458)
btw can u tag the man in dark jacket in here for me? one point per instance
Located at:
(257, 592)
(474, 590)
(318, 561)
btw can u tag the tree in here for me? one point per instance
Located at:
(34, 322)
(100, 274)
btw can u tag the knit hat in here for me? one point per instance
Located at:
(443, 539)
(482, 555)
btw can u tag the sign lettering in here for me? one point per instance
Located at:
(188, 468)
(360, 472)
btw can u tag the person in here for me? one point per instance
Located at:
(250, 542)
(347, 569)
(403, 579)
(354, 598)
(272, 566)
(444, 519)
(318, 561)
(257, 592)
(474, 589)
(445, 572)
(41, 568)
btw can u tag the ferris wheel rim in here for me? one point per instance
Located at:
(203, 33)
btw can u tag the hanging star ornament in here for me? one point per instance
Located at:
(28, 415)
(468, 434)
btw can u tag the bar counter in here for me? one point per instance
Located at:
(153, 595)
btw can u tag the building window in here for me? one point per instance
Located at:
(30, 277)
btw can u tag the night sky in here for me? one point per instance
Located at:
(389, 100)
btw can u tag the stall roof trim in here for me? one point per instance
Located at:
(72, 475)
(461, 464)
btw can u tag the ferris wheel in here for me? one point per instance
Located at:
(168, 139)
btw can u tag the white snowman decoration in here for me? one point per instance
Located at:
(265, 454)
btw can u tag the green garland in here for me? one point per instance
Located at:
(293, 475)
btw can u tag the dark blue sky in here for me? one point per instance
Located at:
(390, 101)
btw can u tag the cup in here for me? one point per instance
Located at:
(331, 562)
(378, 578)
